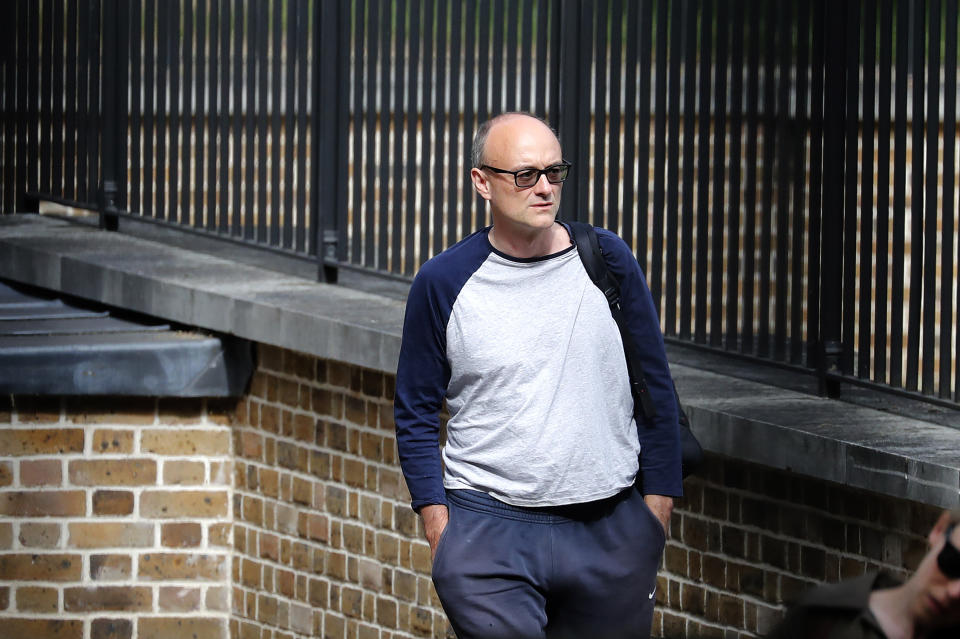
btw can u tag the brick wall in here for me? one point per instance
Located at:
(114, 518)
(745, 539)
(133, 517)
(326, 541)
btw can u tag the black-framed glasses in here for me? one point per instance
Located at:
(525, 178)
(949, 558)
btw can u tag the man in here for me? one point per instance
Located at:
(876, 606)
(534, 514)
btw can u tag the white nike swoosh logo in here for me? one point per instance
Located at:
(650, 596)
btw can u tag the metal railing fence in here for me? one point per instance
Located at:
(785, 171)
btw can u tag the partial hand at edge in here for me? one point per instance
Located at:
(662, 507)
(435, 518)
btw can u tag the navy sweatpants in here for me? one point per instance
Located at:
(583, 571)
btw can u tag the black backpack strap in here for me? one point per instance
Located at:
(588, 247)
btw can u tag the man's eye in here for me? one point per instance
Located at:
(555, 171)
(526, 174)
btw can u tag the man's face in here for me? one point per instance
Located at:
(937, 601)
(517, 143)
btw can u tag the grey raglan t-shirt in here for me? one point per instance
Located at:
(540, 408)
(530, 362)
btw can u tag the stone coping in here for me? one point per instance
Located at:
(860, 446)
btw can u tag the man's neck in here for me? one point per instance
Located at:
(891, 608)
(526, 245)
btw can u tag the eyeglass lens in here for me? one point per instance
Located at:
(949, 558)
(555, 174)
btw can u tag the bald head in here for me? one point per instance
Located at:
(480, 139)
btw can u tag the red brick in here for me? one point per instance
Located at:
(111, 629)
(356, 410)
(270, 547)
(221, 412)
(181, 535)
(286, 583)
(302, 621)
(41, 472)
(267, 607)
(15, 442)
(182, 472)
(6, 536)
(251, 445)
(250, 574)
(293, 456)
(112, 502)
(33, 535)
(288, 393)
(186, 503)
(270, 418)
(113, 472)
(351, 602)
(110, 567)
(385, 417)
(37, 567)
(270, 357)
(43, 628)
(302, 491)
(182, 628)
(386, 612)
(183, 566)
(372, 383)
(37, 599)
(111, 535)
(188, 442)
(119, 598)
(113, 441)
(371, 446)
(269, 482)
(219, 535)
(221, 473)
(300, 426)
(6, 473)
(317, 528)
(48, 503)
(178, 599)
(253, 510)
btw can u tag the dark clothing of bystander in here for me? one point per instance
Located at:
(841, 611)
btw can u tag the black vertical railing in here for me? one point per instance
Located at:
(785, 172)
(947, 351)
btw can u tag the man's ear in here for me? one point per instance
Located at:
(480, 183)
(936, 534)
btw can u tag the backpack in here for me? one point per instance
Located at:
(588, 247)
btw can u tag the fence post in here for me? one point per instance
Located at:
(329, 122)
(109, 187)
(574, 116)
(830, 347)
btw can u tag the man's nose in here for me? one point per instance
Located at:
(543, 184)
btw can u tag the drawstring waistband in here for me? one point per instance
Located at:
(481, 502)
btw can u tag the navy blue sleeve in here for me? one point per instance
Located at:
(423, 371)
(659, 437)
(422, 376)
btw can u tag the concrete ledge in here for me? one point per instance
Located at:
(828, 439)
(854, 445)
(202, 290)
